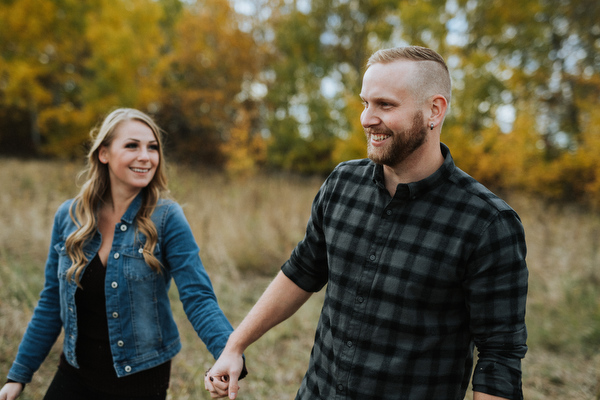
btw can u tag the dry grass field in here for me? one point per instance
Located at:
(246, 229)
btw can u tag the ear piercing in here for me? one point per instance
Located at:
(431, 126)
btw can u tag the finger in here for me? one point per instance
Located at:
(208, 384)
(234, 388)
(219, 387)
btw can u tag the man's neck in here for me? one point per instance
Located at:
(418, 166)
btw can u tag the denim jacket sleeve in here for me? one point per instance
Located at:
(195, 289)
(45, 325)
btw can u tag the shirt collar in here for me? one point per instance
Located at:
(415, 189)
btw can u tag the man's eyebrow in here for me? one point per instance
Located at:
(380, 99)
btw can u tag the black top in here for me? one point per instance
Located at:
(93, 348)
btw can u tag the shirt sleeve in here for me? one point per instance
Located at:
(307, 265)
(496, 291)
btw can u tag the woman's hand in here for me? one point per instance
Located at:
(11, 390)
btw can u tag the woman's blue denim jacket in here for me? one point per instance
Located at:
(141, 328)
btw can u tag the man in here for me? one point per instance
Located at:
(421, 262)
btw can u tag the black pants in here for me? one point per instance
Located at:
(66, 386)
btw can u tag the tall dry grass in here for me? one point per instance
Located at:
(246, 230)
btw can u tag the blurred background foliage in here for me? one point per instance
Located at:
(246, 85)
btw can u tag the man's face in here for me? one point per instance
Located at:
(393, 122)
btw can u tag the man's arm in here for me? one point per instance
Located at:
(496, 295)
(279, 301)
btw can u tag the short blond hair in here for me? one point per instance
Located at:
(433, 78)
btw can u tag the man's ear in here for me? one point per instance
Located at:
(437, 109)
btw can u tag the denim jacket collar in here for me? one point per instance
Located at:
(133, 208)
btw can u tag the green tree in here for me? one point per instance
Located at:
(318, 50)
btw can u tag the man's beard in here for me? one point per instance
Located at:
(402, 145)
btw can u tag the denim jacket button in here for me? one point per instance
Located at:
(114, 285)
(128, 369)
(123, 228)
(120, 343)
(115, 314)
(116, 256)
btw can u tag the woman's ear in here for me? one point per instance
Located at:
(103, 155)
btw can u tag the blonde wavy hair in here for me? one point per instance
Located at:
(96, 189)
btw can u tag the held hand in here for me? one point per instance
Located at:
(222, 379)
(11, 391)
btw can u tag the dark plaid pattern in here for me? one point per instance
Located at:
(413, 283)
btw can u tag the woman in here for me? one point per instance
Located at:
(113, 252)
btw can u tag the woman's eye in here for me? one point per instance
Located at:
(130, 145)
(153, 147)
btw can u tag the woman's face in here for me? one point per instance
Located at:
(132, 157)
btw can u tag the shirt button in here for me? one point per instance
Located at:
(372, 257)
(359, 299)
(120, 343)
(128, 369)
(349, 343)
(116, 256)
(115, 315)
(123, 228)
(340, 387)
(388, 212)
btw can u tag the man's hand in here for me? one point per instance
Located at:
(222, 379)
(279, 301)
(11, 391)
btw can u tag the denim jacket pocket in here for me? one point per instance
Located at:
(143, 283)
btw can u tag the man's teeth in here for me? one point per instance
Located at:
(379, 138)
